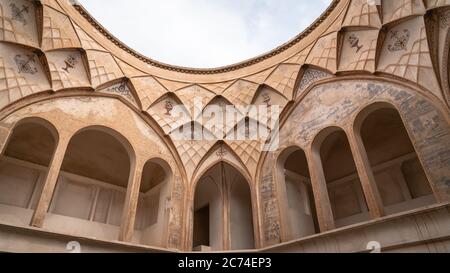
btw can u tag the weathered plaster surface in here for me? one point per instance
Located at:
(337, 104)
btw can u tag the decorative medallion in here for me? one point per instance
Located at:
(70, 62)
(354, 42)
(399, 40)
(18, 14)
(169, 107)
(26, 64)
(122, 90)
(310, 76)
(221, 152)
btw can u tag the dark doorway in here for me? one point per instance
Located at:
(201, 227)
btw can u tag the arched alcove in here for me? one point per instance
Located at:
(399, 175)
(24, 165)
(345, 192)
(151, 212)
(296, 192)
(223, 218)
(92, 184)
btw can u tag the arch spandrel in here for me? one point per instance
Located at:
(67, 69)
(220, 152)
(148, 89)
(122, 88)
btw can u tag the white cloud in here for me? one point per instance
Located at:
(204, 33)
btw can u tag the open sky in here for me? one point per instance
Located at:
(204, 33)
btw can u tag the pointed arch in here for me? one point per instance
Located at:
(24, 165)
(394, 163)
(97, 168)
(220, 152)
(223, 216)
(296, 194)
(267, 87)
(336, 170)
(152, 218)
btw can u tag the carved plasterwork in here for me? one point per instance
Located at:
(359, 51)
(58, 31)
(53, 48)
(67, 69)
(195, 98)
(324, 53)
(86, 41)
(308, 77)
(18, 22)
(148, 89)
(283, 79)
(21, 74)
(103, 67)
(121, 89)
(398, 9)
(406, 54)
(241, 92)
(362, 13)
(162, 112)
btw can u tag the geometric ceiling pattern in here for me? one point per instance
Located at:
(56, 46)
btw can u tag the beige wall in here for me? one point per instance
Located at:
(62, 110)
(336, 105)
(152, 235)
